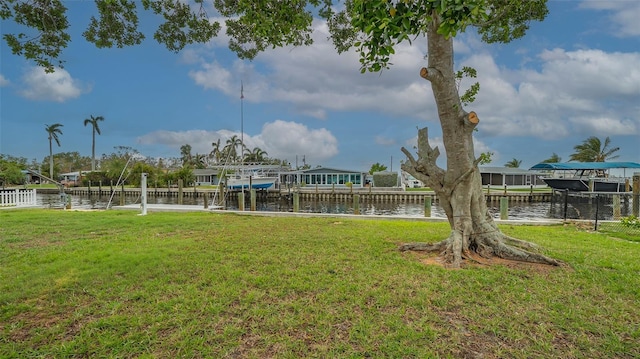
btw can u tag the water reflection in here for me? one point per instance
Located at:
(589, 206)
(520, 210)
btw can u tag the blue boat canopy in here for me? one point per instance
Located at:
(575, 166)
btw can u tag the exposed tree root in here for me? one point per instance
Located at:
(496, 244)
(520, 243)
(424, 247)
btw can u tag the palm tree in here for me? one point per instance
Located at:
(53, 131)
(95, 129)
(514, 163)
(216, 153)
(592, 150)
(231, 148)
(553, 159)
(185, 155)
(199, 161)
(255, 155)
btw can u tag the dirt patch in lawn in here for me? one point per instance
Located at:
(476, 261)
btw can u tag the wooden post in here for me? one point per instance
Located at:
(356, 204)
(223, 189)
(180, 184)
(616, 206)
(205, 196)
(253, 199)
(296, 202)
(122, 194)
(636, 194)
(241, 201)
(504, 208)
(427, 206)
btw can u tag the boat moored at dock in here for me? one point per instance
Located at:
(587, 176)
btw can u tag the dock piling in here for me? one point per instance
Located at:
(427, 206)
(504, 208)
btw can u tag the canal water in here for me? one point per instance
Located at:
(517, 211)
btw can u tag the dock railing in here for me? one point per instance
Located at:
(18, 197)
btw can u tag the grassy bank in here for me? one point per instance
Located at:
(116, 284)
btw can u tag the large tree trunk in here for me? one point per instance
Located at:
(459, 188)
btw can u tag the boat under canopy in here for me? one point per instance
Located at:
(577, 166)
(587, 176)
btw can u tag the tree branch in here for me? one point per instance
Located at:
(431, 74)
(425, 168)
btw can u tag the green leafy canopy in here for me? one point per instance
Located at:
(384, 24)
(374, 27)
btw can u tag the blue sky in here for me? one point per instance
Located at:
(575, 75)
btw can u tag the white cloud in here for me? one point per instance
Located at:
(280, 139)
(4, 81)
(542, 99)
(592, 73)
(605, 125)
(58, 86)
(284, 139)
(585, 84)
(624, 15)
(317, 80)
(213, 76)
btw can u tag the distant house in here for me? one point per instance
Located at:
(408, 181)
(324, 177)
(206, 176)
(32, 176)
(71, 179)
(506, 176)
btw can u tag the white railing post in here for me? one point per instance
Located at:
(143, 194)
(18, 198)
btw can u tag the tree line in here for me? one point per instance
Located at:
(590, 150)
(109, 167)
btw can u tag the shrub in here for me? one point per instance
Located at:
(385, 179)
(631, 222)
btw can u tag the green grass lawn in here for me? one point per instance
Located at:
(215, 285)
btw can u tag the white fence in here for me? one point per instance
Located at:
(18, 197)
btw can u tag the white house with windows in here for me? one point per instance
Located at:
(206, 176)
(324, 177)
(506, 176)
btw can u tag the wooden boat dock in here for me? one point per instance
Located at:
(366, 195)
